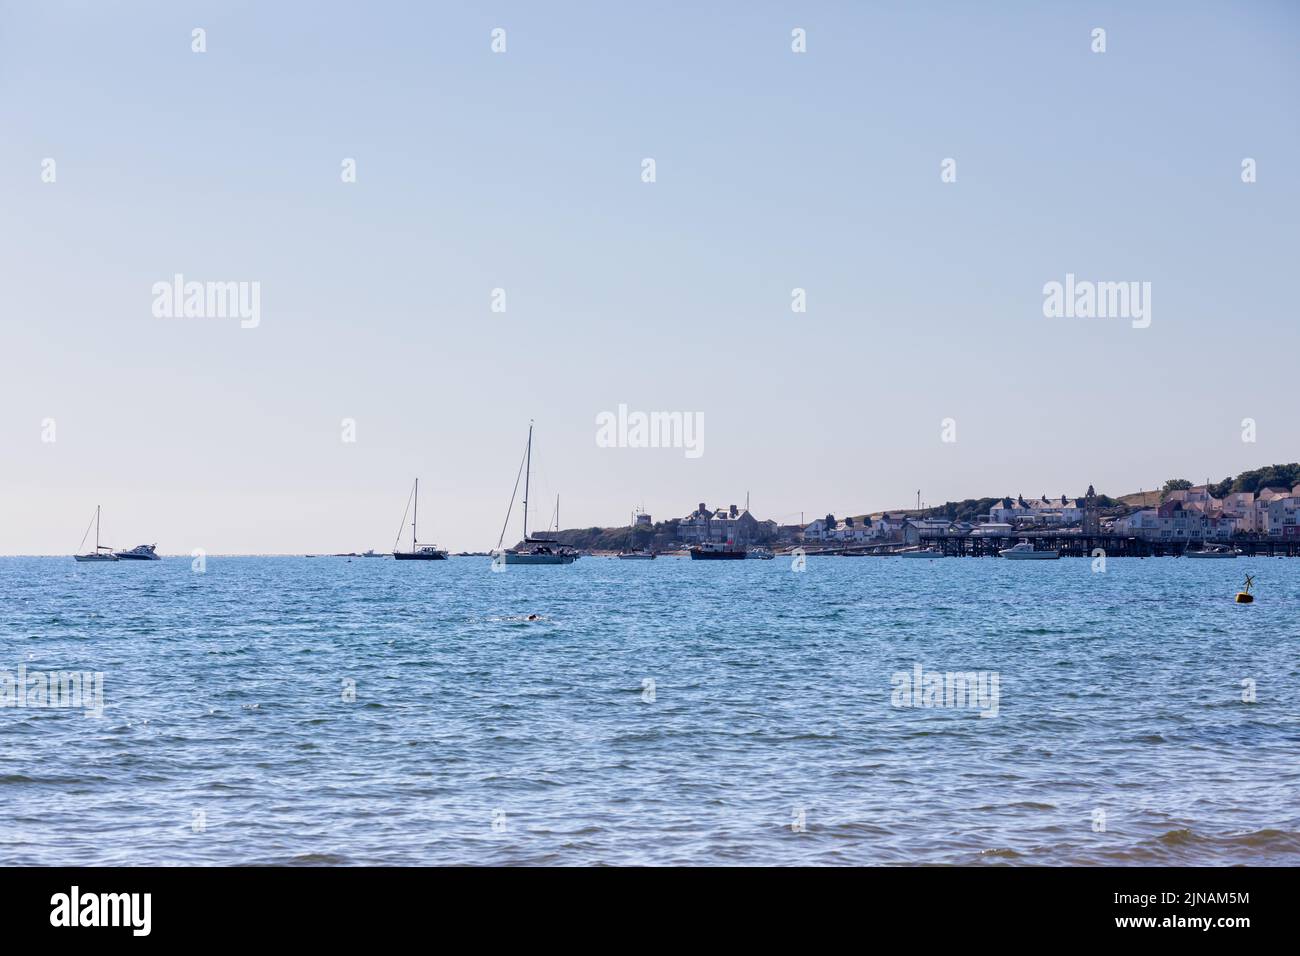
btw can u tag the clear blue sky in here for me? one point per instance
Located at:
(522, 171)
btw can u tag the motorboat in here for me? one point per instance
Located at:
(141, 552)
(1212, 551)
(1024, 551)
(718, 551)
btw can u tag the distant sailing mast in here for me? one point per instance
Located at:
(102, 552)
(632, 552)
(418, 551)
(535, 550)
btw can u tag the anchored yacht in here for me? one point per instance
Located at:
(539, 549)
(1024, 551)
(717, 551)
(1212, 551)
(102, 552)
(141, 552)
(418, 552)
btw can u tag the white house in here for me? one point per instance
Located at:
(1282, 516)
(815, 530)
(890, 526)
(1142, 524)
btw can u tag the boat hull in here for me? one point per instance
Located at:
(418, 555)
(538, 559)
(1030, 555)
(698, 555)
(94, 558)
(636, 557)
(123, 556)
(1210, 556)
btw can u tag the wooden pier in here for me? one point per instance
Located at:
(1071, 544)
(1075, 544)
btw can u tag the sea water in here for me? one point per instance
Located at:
(862, 711)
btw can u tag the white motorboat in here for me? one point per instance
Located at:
(759, 554)
(1024, 551)
(1212, 551)
(920, 553)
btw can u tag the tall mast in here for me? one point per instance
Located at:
(557, 514)
(528, 472)
(97, 529)
(415, 517)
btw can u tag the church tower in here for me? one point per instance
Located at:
(1091, 517)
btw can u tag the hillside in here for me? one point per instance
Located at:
(662, 536)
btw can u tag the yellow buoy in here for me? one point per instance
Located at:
(1245, 597)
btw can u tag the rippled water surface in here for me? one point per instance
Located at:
(478, 736)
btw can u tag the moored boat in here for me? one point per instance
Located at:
(632, 552)
(141, 552)
(920, 553)
(536, 550)
(1212, 551)
(418, 552)
(102, 552)
(1024, 551)
(717, 551)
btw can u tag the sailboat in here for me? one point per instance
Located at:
(102, 552)
(538, 549)
(632, 552)
(418, 552)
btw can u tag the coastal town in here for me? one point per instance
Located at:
(1254, 509)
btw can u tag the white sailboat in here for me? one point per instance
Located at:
(102, 552)
(538, 549)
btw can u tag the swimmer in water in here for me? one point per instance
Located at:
(533, 617)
